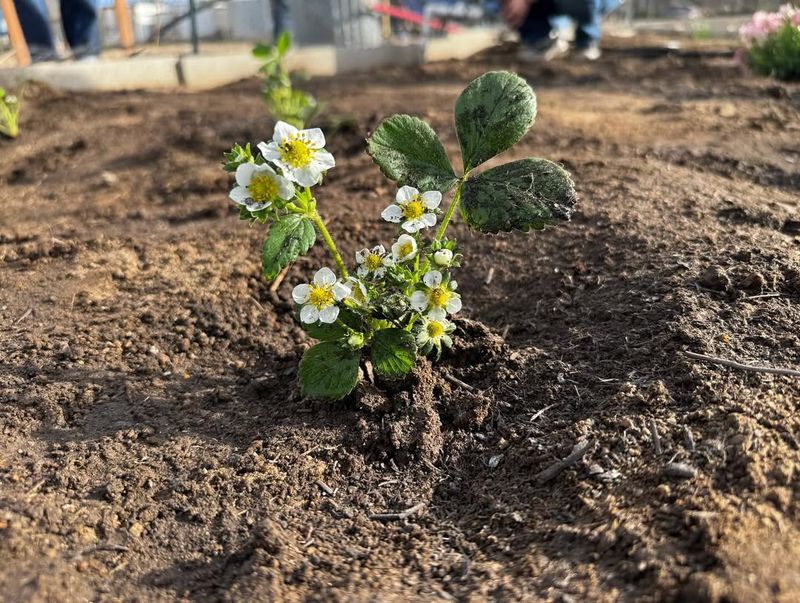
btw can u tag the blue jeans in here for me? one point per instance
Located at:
(281, 18)
(80, 25)
(587, 15)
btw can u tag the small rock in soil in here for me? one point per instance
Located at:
(715, 278)
(679, 471)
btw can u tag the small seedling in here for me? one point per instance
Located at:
(398, 306)
(284, 102)
(772, 42)
(10, 105)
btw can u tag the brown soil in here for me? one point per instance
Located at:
(154, 445)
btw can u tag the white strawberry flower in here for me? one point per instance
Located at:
(438, 297)
(433, 333)
(320, 296)
(373, 261)
(404, 249)
(416, 211)
(299, 153)
(257, 186)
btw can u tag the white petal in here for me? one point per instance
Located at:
(429, 220)
(307, 176)
(453, 285)
(361, 255)
(285, 188)
(431, 199)
(405, 194)
(423, 337)
(379, 272)
(244, 173)
(265, 168)
(340, 291)
(323, 161)
(393, 213)
(255, 205)
(269, 151)
(432, 278)
(239, 195)
(324, 276)
(388, 260)
(453, 304)
(309, 314)
(412, 225)
(437, 314)
(447, 340)
(300, 293)
(379, 249)
(315, 137)
(283, 131)
(362, 271)
(329, 314)
(419, 301)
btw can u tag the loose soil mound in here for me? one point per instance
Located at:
(154, 445)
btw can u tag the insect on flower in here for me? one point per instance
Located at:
(299, 153)
(319, 298)
(258, 186)
(416, 211)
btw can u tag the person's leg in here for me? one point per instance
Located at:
(281, 18)
(588, 15)
(536, 28)
(35, 26)
(80, 26)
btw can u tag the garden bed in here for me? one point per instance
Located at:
(155, 446)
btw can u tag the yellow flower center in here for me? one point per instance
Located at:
(373, 262)
(435, 329)
(413, 209)
(439, 296)
(263, 188)
(321, 296)
(296, 152)
(406, 249)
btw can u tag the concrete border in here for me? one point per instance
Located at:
(199, 72)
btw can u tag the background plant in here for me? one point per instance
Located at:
(772, 42)
(399, 304)
(10, 106)
(284, 102)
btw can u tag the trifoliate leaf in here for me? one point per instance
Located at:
(524, 194)
(329, 370)
(492, 114)
(394, 352)
(288, 238)
(408, 151)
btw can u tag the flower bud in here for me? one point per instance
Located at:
(443, 257)
(356, 341)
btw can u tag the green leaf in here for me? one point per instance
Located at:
(492, 114)
(335, 331)
(288, 238)
(408, 151)
(524, 194)
(394, 352)
(329, 370)
(283, 43)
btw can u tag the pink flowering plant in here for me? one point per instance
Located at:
(772, 42)
(398, 302)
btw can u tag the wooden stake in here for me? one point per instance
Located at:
(124, 23)
(15, 33)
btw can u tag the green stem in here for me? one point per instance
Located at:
(450, 210)
(326, 236)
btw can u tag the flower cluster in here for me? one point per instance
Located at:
(763, 24)
(772, 43)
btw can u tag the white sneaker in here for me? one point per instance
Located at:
(590, 53)
(546, 51)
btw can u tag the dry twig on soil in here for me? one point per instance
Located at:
(397, 516)
(743, 367)
(580, 449)
(458, 382)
